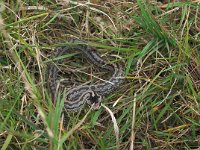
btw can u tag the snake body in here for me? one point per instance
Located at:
(92, 94)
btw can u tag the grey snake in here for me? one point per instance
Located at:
(91, 94)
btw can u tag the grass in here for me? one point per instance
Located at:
(158, 44)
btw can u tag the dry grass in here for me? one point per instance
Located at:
(158, 43)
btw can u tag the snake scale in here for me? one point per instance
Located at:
(91, 94)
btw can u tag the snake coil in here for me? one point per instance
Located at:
(90, 94)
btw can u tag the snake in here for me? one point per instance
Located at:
(77, 97)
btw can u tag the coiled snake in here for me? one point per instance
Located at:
(90, 94)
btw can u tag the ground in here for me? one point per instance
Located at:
(157, 42)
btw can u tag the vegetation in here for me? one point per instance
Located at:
(158, 44)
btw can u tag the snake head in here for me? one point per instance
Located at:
(94, 99)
